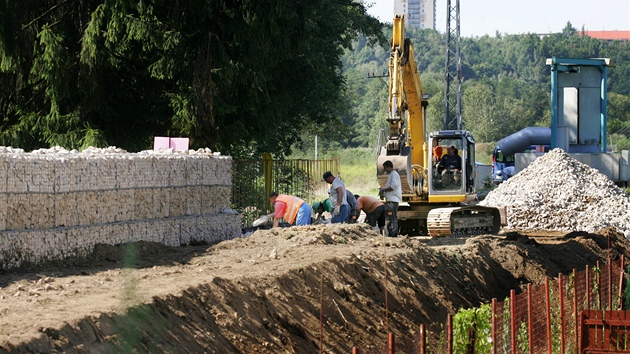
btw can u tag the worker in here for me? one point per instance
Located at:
(319, 208)
(353, 212)
(437, 151)
(292, 209)
(374, 211)
(338, 198)
(393, 196)
(451, 161)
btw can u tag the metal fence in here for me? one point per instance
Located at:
(254, 180)
(579, 313)
(545, 318)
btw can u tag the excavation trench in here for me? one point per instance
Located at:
(266, 293)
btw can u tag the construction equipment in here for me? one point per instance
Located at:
(435, 196)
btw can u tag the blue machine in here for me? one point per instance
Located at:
(578, 117)
(578, 104)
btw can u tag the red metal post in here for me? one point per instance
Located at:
(599, 286)
(355, 350)
(449, 334)
(547, 305)
(423, 339)
(610, 283)
(493, 322)
(530, 324)
(621, 273)
(561, 303)
(580, 346)
(575, 307)
(321, 315)
(588, 288)
(513, 320)
(390, 339)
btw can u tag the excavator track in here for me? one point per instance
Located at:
(463, 221)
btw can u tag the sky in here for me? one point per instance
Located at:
(481, 17)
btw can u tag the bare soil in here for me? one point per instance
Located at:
(267, 293)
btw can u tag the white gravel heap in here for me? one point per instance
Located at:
(108, 151)
(557, 192)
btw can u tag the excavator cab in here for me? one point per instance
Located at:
(451, 176)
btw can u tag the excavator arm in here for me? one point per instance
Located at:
(407, 121)
(430, 205)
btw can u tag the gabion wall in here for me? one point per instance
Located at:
(56, 203)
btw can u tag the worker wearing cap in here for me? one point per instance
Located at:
(393, 196)
(338, 199)
(292, 209)
(319, 208)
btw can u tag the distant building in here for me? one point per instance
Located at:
(607, 35)
(418, 13)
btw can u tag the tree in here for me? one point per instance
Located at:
(238, 77)
(481, 113)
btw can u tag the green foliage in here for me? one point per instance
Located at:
(522, 338)
(556, 324)
(472, 330)
(238, 77)
(92, 138)
(249, 77)
(506, 82)
(595, 286)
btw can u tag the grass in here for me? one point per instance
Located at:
(358, 170)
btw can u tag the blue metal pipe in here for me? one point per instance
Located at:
(523, 138)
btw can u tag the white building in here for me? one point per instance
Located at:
(418, 13)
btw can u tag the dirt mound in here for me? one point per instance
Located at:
(266, 293)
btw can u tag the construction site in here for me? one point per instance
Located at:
(105, 251)
(327, 288)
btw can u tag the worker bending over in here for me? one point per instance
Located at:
(292, 209)
(374, 211)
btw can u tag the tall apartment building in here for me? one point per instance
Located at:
(418, 13)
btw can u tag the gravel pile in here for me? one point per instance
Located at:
(557, 192)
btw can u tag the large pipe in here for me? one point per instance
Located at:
(523, 138)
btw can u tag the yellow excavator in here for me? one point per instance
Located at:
(437, 169)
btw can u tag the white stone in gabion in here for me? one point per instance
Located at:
(58, 203)
(557, 192)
